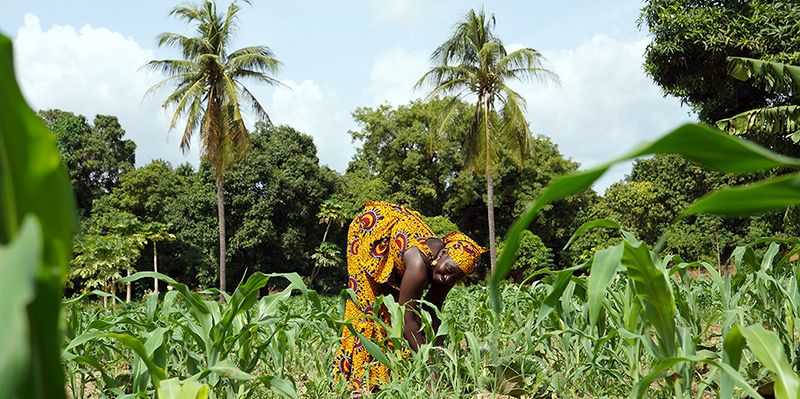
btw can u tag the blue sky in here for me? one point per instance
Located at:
(84, 56)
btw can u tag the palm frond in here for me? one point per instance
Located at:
(256, 76)
(514, 129)
(256, 58)
(176, 80)
(229, 25)
(181, 97)
(443, 123)
(477, 149)
(237, 135)
(773, 77)
(172, 67)
(447, 79)
(215, 146)
(469, 36)
(772, 120)
(190, 47)
(526, 64)
(193, 117)
(254, 104)
(188, 12)
(489, 53)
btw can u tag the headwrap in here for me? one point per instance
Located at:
(464, 251)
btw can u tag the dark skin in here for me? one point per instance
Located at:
(440, 275)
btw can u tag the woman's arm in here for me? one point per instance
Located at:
(436, 295)
(415, 279)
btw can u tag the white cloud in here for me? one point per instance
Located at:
(317, 111)
(394, 73)
(94, 71)
(605, 106)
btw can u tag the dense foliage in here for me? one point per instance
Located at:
(96, 155)
(691, 40)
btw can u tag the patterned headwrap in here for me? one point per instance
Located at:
(464, 251)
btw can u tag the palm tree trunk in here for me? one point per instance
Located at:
(221, 219)
(155, 268)
(489, 186)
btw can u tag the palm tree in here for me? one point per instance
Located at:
(474, 62)
(209, 91)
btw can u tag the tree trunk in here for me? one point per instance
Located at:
(325, 236)
(221, 219)
(155, 268)
(128, 290)
(489, 187)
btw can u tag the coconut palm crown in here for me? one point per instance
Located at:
(209, 91)
(474, 64)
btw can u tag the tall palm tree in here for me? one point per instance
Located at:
(209, 91)
(473, 63)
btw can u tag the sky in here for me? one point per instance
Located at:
(85, 56)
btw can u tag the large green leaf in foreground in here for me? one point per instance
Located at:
(18, 267)
(709, 147)
(33, 182)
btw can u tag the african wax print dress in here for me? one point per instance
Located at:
(376, 241)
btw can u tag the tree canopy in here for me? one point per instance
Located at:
(691, 40)
(96, 155)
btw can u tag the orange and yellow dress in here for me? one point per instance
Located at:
(376, 241)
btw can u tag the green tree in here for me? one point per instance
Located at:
(440, 225)
(148, 192)
(532, 256)
(331, 211)
(96, 156)
(110, 244)
(209, 91)
(394, 161)
(473, 61)
(274, 196)
(327, 256)
(691, 40)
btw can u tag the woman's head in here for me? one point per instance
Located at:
(458, 259)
